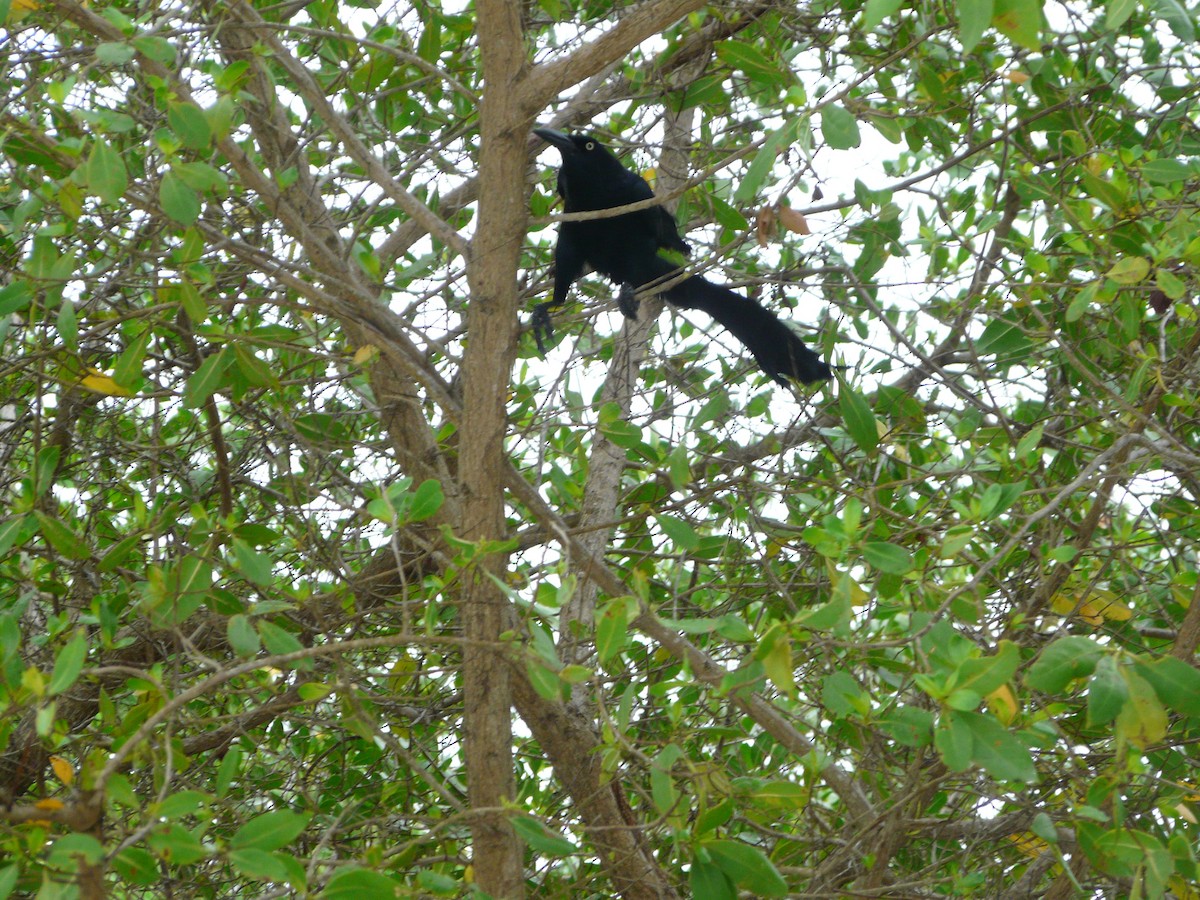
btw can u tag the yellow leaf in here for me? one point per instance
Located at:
(1003, 703)
(20, 9)
(1029, 844)
(49, 803)
(775, 653)
(63, 770)
(1142, 720)
(1095, 608)
(365, 353)
(99, 383)
(1017, 77)
(651, 176)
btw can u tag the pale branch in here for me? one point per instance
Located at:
(547, 80)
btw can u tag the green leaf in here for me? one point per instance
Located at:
(753, 62)
(178, 846)
(361, 884)
(256, 566)
(115, 53)
(775, 653)
(16, 531)
(280, 641)
(827, 616)
(1178, 19)
(999, 497)
(242, 637)
(954, 742)
(1063, 661)
(128, 369)
(887, 557)
(541, 839)
(680, 532)
(155, 48)
(612, 628)
(839, 127)
(205, 381)
(1129, 270)
(178, 200)
(988, 673)
(183, 803)
(1117, 12)
(747, 867)
(859, 419)
(190, 125)
(1166, 171)
(228, 770)
(427, 499)
(760, 167)
(72, 849)
(311, 691)
(60, 536)
(842, 695)
(1107, 693)
(45, 465)
(1021, 21)
(1004, 338)
(678, 467)
(8, 880)
(270, 831)
(135, 865)
(908, 725)
(258, 865)
(202, 177)
(877, 10)
(1175, 682)
(68, 664)
(663, 792)
(15, 297)
(1081, 301)
(1169, 284)
(974, 17)
(437, 883)
(996, 750)
(708, 880)
(105, 172)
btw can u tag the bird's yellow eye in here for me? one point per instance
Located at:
(590, 145)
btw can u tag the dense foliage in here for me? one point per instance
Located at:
(929, 631)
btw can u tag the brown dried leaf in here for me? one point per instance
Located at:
(764, 225)
(793, 221)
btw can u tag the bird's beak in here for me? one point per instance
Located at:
(556, 138)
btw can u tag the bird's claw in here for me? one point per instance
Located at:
(627, 301)
(543, 329)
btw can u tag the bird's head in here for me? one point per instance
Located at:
(577, 148)
(569, 144)
(591, 177)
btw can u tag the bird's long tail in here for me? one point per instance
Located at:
(776, 347)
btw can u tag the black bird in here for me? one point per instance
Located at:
(624, 248)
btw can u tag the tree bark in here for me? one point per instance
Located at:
(491, 328)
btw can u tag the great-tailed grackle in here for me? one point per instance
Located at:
(624, 248)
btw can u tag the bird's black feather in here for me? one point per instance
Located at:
(625, 249)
